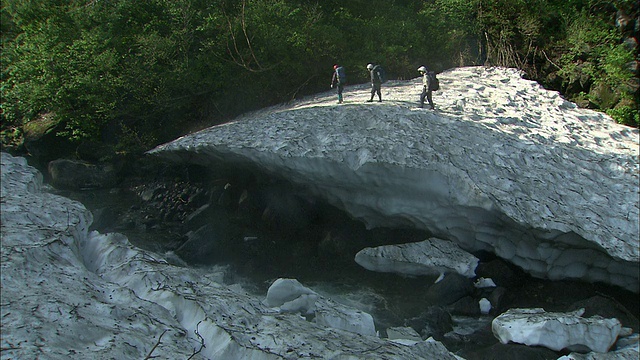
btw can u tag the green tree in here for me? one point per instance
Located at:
(142, 72)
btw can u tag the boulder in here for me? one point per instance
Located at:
(607, 307)
(451, 289)
(627, 348)
(467, 306)
(434, 322)
(42, 140)
(204, 245)
(556, 331)
(78, 175)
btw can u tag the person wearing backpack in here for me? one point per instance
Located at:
(427, 86)
(376, 81)
(338, 80)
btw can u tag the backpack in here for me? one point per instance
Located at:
(434, 83)
(342, 75)
(382, 75)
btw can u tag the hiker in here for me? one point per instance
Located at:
(338, 80)
(376, 81)
(426, 87)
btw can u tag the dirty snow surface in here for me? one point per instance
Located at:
(502, 165)
(72, 294)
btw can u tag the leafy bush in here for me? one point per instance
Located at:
(144, 72)
(626, 115)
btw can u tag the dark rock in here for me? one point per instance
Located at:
(497, 299)
(467, 306)
(125, 224)
(603, 95)
(624, 22)
(204, 245)
(77, 175)
(511, 352)
(450, 289)
(500, 272)
(42, 142)
(104, 218)
(284, 211)
(199, 217)
(607, 307)
(150, 221)
(434, 322)
(197, 197)
(94, 151)
(341, 242)
(462, 343)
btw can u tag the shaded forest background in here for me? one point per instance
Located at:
(130, 74)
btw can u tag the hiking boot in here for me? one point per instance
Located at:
(370, 100)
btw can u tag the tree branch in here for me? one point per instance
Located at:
(155, 346)
(549, 60)
(236, 55)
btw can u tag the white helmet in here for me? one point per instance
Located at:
(369, 66)
(422, 69)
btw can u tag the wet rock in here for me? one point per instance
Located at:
(104, 218)
(606, 307)
(497, 298)
(452, 288)
(467, 306)
(434, 322)
(205, 245)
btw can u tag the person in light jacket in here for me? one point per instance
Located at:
(426, 87)
(376, 81)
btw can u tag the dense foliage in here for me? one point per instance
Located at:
(136, 73)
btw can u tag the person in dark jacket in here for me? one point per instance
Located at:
(338, 80)
(376, 81)
(426, 87)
